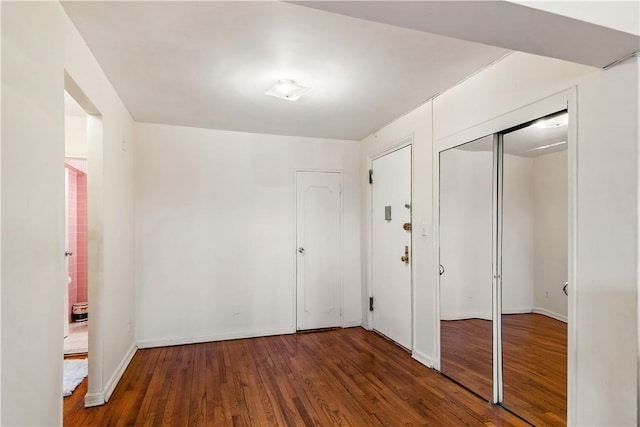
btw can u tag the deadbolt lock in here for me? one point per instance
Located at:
(405, 258)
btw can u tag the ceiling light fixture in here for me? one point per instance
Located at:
(287, 89)
(543, 147)
(553, 122)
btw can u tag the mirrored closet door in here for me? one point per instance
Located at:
(466, 215)
(535, 270)
(504, 265)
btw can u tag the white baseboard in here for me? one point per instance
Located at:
(550, 313)
(422, 358)
(166, 342)
(115, 378)
(351, 324)
(93, 399)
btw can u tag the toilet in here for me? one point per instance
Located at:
(80, 312)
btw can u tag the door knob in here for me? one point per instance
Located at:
(301, 249)
(405, 258)
(564, 288)
(441, 269)
(68, 253)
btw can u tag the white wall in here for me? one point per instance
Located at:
(550, 192)
(215, 248)
(32, 213)
(607, 247)
(414, 126)
(38, 44)
(75, 137)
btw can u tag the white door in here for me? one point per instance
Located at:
(318, 249)
(391, 243)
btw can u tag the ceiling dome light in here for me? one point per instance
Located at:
(287, 89)
(553, 122)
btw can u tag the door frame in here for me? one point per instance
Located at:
(294, 245)
(565, 100)
(406, 141)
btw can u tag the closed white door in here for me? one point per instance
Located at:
(391, 246)
(318, 249)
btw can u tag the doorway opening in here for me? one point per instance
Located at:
(76, 340)
(82, 165)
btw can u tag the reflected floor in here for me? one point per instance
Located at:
(535, 363)
(466, 354)
(535, 368)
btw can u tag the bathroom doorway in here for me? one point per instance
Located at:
(76, 317)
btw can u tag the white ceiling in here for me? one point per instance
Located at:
(513, 26)
(208, 64)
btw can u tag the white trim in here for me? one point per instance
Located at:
(422, 358)
(93, 399)
(170, 341)
(505, 121)
(549, 313)
(572, 279)
(435, 207)
(122, 367)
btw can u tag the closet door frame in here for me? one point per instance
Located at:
(565, 100)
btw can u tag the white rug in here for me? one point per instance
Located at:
(75, 370)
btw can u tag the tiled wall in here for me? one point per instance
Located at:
(77, 208)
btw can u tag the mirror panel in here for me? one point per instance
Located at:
(534, 271)
(466, 331)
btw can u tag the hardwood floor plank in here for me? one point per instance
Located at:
(342, 377)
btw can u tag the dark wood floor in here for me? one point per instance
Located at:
(348, 377)
(534, 357)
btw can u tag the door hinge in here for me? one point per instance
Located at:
(370, 303)
(370, 176)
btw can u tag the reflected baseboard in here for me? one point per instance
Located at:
(512, 310)
(550, 313)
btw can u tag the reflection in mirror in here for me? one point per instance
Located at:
(534, 271)
(466, 182)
